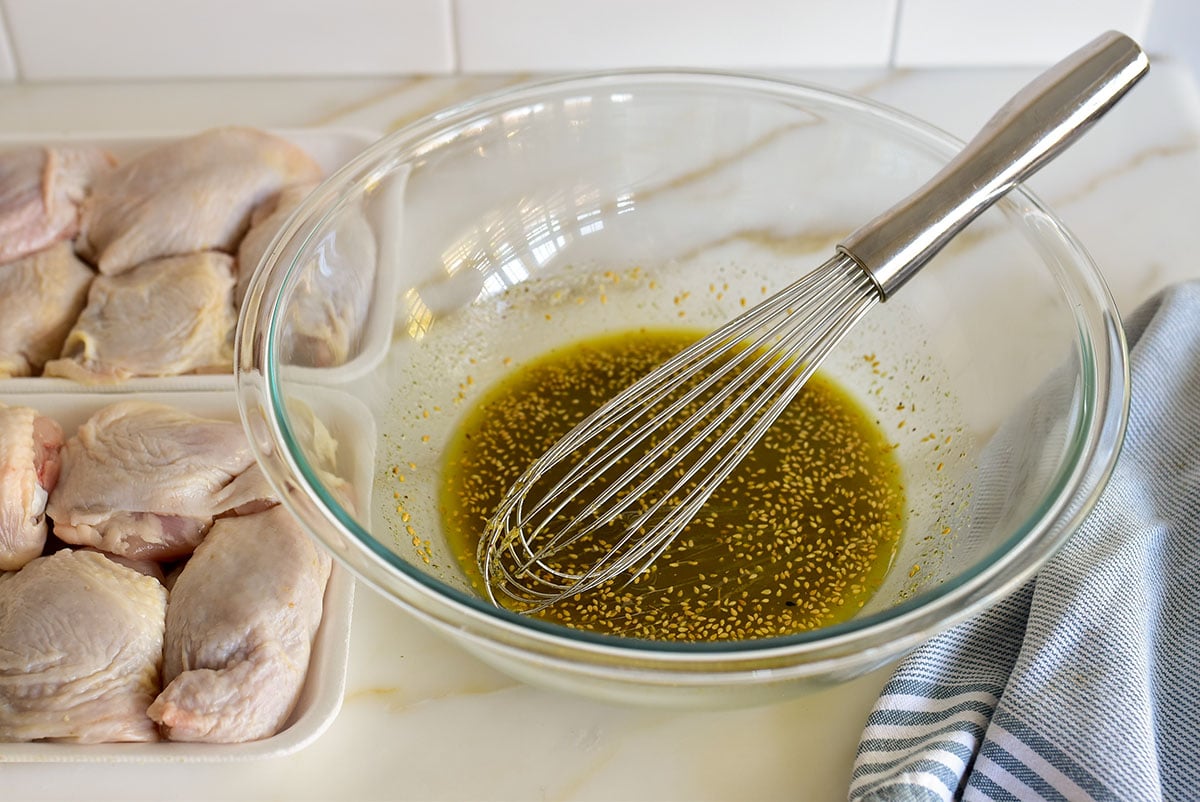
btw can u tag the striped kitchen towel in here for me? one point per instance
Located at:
(1085, 684)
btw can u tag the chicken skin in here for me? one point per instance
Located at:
(41, 296)
(40, 192)
(30, 446)
(80, 650)
(265, 222)
(192, 194)
(332, 291)
(240, 628)
(145, 481)
(167, 317)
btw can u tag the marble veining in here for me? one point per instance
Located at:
(422, 720)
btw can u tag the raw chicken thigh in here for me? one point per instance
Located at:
(80, 648)
(30, 447)
(41, 296)
(193, 194)
(40, 193)
(163, 318)
(331, 294)
(240, 627)
(265, 223)
(145, 480)
(320, 449)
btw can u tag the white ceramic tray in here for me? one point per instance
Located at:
(324, 686)
(212, 395)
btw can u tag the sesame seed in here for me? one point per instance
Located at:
(798, 537)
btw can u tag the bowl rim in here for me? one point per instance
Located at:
(1095, 442)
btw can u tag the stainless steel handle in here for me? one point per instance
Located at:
(1028, 131)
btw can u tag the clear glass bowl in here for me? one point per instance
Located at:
(482, 236)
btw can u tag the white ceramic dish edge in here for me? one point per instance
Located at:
(321, 698)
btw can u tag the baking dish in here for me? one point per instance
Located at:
(71, 403)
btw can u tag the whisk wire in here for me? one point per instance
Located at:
(827, 301)
(760, 413)
(638, 398)
(634, 401)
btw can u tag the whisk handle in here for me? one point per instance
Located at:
(1034, 126)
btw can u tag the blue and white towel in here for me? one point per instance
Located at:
(1085, 684)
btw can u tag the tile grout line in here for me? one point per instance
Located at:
(897, 14)
(455, 38)
(11, 46)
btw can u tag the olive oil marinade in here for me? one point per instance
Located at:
(798, 537)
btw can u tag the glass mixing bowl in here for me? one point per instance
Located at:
(477, 239)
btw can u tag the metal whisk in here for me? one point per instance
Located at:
(613, 494)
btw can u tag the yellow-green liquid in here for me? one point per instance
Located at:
(798, 537)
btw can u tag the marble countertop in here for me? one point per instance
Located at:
(421, 720)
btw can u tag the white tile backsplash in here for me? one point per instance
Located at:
(553, 35)
(116, 39)
(934, 33)
(71, 40)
